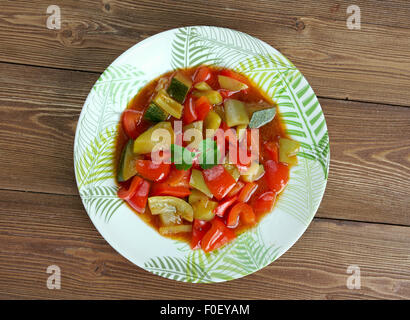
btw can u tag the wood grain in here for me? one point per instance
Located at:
(369, 176)
(56, 230)
(339, 63)
(45, 76)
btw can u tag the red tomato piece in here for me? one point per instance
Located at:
(247, 191)
(271, 149)
(277, 175)
(224, 205)
(203, 74)
(202, 107)
(139, 200)
(219, 181)
(264, 203)
(244, 212)
(131, 119)
(199, 229)
(127, 194)
(189, 114)
(217, 236)
(151, 170)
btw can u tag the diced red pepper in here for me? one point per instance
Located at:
(179, 178)
(202, 107)
(217, 236)
(189, 114)
(131, 120)
(271, 149)
(226, 93)
(177, 184)
(151, 170)
(139, 200)
(127, 193)
(242, 210)
(247, 191)
(203, 74)
(162, 189)
(277, 175)
(264, 203)
(238, 186)
(224, 205)
(219, 181)
(199, 229)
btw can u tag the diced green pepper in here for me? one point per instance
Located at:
(204, 209)
(213, 96)
(151, 138)
(235, 113)
(233, 170)
(170, 205)
(231, 84)
(169, 105)
(195, 196)
(194, 134)
(212, 122)
(202, 86)
(240, 131)
(288, 150)
(254, 172)
(197, 181)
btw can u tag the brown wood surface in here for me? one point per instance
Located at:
(340, 63)
(63, 235)
(364, 219)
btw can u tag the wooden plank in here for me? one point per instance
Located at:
(369, 176)
(370, 64)
(57, 231)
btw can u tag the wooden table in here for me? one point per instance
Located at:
(362, 79)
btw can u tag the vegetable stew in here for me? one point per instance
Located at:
(202, 156)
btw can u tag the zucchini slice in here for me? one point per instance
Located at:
(169, 105)
(179, 87)
(126, 168)
(155, 113)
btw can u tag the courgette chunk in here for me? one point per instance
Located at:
(179, 87)
(169, 105)
(126, 168)
(155, 113)
(235, 113)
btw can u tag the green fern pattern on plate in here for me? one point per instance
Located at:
(95, 141)
(246, 255)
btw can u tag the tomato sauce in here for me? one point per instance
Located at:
(269, 132)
